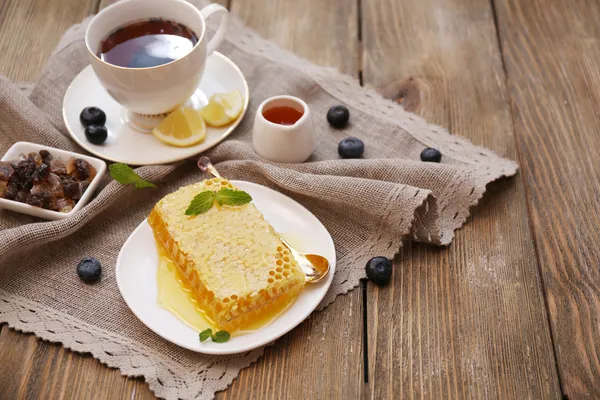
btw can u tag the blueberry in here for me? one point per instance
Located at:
(379, 270)
(351, 147)
(338, 116)
(89, 269)
(96, 134)
(92, 116)
(431, 155)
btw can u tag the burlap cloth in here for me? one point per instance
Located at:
(368, 205)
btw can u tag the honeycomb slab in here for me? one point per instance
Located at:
(235, 264)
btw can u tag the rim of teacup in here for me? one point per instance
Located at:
(192, 8)
(297, 100)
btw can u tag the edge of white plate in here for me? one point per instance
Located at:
(262, 342)
(228, 132)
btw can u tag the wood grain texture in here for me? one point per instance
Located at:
(34, 369)
(552, 54)
(321, 31)
(468, 321)
(31, 29)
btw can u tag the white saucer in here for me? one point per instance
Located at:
(129, 146)
(138, 262)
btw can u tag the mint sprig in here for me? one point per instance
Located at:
(231, 197)
(218, 337)
(204, 201)
(125, 175)
(221, 337)
(201, 203)
(205, 334)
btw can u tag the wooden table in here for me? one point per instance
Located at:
(512, 308)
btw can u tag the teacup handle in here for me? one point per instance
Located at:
(216, 40)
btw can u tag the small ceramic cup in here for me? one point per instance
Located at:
(284, 143)
(155, 90)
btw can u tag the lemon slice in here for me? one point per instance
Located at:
(223, 108)
(183, 127)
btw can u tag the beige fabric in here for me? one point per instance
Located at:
(368, 206)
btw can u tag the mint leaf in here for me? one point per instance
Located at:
(205, 334)
(201, 203)
(221, 337)
(141, 184)
(125, 175)
(232, 197)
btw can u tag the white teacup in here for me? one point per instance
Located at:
(155, 90)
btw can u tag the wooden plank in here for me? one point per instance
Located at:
(313, 29)
(31, 29)
(468, 321)
(42, 370)
(552, 53)
(322, 358)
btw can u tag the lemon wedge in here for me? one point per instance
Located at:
(223, 108)
(183, 127)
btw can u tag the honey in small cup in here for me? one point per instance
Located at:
(283, 130)
(283, 115)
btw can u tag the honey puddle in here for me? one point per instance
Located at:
(175, 295)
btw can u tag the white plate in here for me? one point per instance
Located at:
(26, 148)
(138, 261)
(125, 144)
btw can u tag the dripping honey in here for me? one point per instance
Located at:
(175, 295)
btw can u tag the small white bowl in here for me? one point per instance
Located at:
(25, 148)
